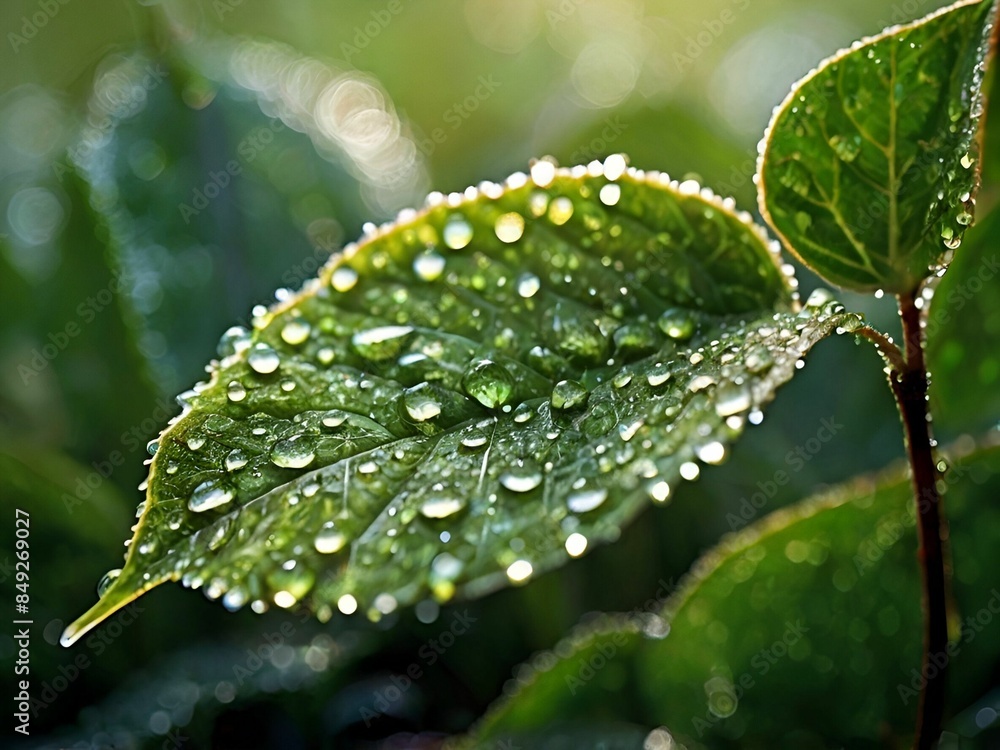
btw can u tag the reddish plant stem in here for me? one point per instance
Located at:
(909, 386)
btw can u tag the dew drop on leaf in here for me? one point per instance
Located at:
(380, 343)
(295, 331)
(491, 384)
(677, 324)
(457, 233)
(208, 495)
(343, 279)
(569, 394)
(263, 359)
(106, 580)
(583, 501)
(293, 453)
(329, 539)
(528, 285)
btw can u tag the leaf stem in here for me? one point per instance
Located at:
(889, 351)
(909, 385)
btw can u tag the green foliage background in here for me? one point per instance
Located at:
(682, 87)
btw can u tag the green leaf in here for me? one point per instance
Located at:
(963, 324)
(869, 168)
(471, 395)
(817, 600)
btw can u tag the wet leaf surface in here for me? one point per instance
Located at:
(470, 396)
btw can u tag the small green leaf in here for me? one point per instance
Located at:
(816, 600)
(869, 168)
(471, 395)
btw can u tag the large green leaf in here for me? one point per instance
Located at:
(471, 395)
(869, 168)
(818, 600)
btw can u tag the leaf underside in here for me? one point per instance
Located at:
(870, 167)
(470, 396)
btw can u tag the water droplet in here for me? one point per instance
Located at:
(677, 324)
(560, 210)
(659, 491)
(194, 443)
(441, 506)
(457, 233)
(584, 501)
(523, 413)
(521, 479)
(627, 430)
(569, 394)
(263, 359)
(429, 265)
(235, 598)
(731, 399)
(295, 331)
(528, 285)
(658, 375)
(380, 343)
(236, 459)
(491, 384)
(208, 495)
(234, 341)
(235, 391)
(712, 453)
(344, 279)
(964, 218)
(576, 544)
(519, 570)
(509, 227)
(420, 404)
(294, 453)
(334, 418)
(290, 583)
(967, 161)
(759, 359)
(329, 540)
(107, 579)
(543, 172)
(690, 471)
(610, 194)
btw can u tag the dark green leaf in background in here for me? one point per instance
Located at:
(870, 167)
(820, 599)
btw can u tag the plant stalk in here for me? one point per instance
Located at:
(909, 386)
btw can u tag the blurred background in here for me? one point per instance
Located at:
(165, 166)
